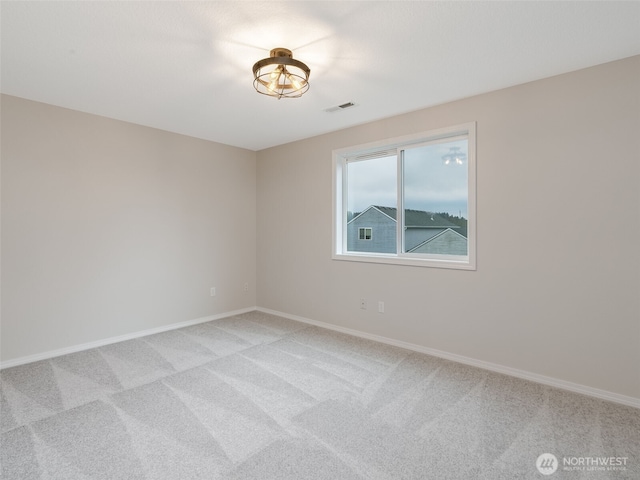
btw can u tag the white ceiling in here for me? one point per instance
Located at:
(186, 66)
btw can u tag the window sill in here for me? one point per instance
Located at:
(391, 259)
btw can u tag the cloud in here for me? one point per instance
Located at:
(429, 183)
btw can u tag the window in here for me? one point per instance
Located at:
(417, 192)
(364, 233)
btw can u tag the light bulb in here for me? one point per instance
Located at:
(296, 84)
(275, 77)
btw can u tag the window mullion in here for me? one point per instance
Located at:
(345, 183)
(400, 203)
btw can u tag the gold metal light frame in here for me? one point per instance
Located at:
(280, 75)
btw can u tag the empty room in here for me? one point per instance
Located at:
(320, 240)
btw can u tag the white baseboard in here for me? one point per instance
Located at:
(494, 367)
(121, 338)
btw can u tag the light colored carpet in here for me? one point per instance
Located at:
(261, 397)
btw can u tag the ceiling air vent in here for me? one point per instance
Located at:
(340, 107)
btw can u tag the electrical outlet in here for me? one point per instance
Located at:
(246, 287)
(381, 307)
(363, 304)
(213, 291)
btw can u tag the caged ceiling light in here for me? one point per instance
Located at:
(454, 157)
(280, 75)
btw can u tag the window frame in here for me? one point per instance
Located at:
(371, 150)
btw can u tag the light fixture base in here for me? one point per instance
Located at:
(281, 52)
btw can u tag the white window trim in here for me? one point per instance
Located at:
(339, 186)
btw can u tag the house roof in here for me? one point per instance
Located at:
(433, 237)
(418, 218)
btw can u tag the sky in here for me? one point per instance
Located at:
(429, 183)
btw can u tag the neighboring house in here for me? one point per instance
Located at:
(374, 230)
(448, 242)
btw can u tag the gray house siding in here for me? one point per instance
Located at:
(446, 243)
(415, 236)
(425, 233)
(383, 232)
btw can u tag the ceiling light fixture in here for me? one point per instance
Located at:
(454, 156)
(280, 75)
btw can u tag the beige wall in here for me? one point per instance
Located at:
(557, 289)
(110, 228)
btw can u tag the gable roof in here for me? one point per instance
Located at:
(439, 234)
(418, 218)
(377, 210)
